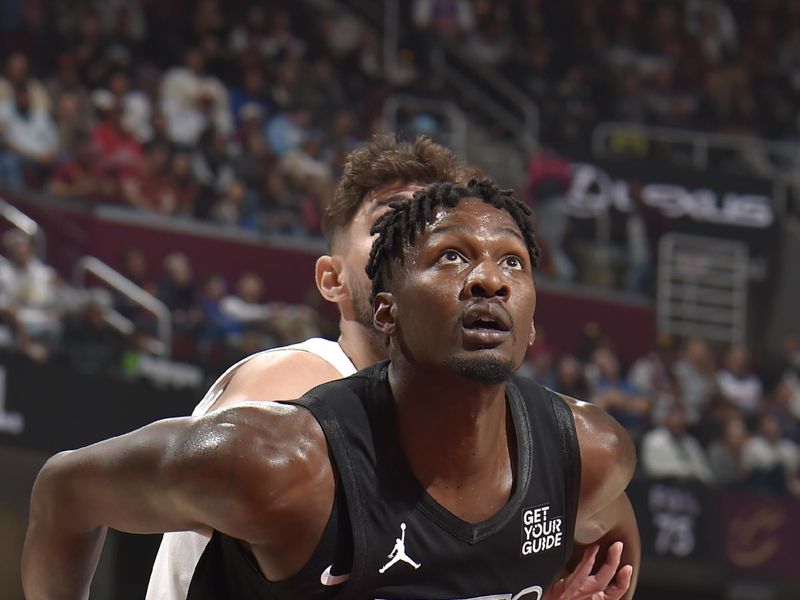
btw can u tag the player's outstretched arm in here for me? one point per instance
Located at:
(605, 515)
(231, 471)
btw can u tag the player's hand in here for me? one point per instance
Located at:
(582, 585)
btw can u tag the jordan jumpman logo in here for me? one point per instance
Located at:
(398, 553)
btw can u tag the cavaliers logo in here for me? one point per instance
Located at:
(753, 535)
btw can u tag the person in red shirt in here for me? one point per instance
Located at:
(83, 175)
(118, 149)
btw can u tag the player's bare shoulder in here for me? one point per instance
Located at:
(266, 463)
(608, 455)
(282, 374)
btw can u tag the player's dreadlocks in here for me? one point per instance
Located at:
(404, 221)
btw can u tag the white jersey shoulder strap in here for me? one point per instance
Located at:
(329, 351)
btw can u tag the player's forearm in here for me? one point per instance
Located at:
(626, 531)
(63, 543)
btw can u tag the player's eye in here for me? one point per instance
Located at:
(512, 262)
(450, 257)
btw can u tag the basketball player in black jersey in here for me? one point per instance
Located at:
(381, 171)
(457, 324)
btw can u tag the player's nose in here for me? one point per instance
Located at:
(486, 280)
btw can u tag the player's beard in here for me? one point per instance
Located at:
(485, 369)
(362, 307)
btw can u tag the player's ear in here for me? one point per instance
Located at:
(384, 311)
(532, 334)
(330, 283)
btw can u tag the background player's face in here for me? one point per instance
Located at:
(356, 243)
(465, 297)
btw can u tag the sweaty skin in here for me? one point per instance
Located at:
(261, 472)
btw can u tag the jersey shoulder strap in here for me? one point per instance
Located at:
(561, 413)
(572, 458)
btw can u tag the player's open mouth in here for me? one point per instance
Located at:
(486, 316)
(485, 324)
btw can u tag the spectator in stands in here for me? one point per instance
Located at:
(252, 163)
(119, 151)
(248, 35)
(783, 403)
(695, 373)
(280, 204)
(177, 289)
(72, 123)
(713, 24)
(28, 139)
(193, 101)
(83, 175)
(449, 20)
(772, 460)
(539, 363)
(669, 451)
(737, 382)
(489, 43)
(90, 345)
(611, 392)
(246, 306)
(632, 102)
(133, 266)
(65, 81)
(652, 376)
(278, 323)
(252, 93)
(307, 170)
(211, 162)
(341, 138)
(280, 39)
(17, 75)
(643, 228)
(569, 377)
(287, 130)
(30, 300)
(547, 182)
(725, 454)
(151, 188)
(786, 361)
(216, 330)
(134, 104)
(234, 208)
(124, 20)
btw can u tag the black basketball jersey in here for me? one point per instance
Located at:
(389, 539)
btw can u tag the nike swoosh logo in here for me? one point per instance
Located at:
(329, 580)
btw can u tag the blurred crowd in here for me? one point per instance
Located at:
(238, 113)
(728, 66)
(697, 412)
(214, 322)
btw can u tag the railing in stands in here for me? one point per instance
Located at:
(114, 279)
(455, 136)
(23, 222)
(484, 88)
(767, 158)
(495, 95)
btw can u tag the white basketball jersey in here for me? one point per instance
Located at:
(179, 551)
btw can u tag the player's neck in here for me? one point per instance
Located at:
(457, 442)
(363, 347)
(450, 417)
